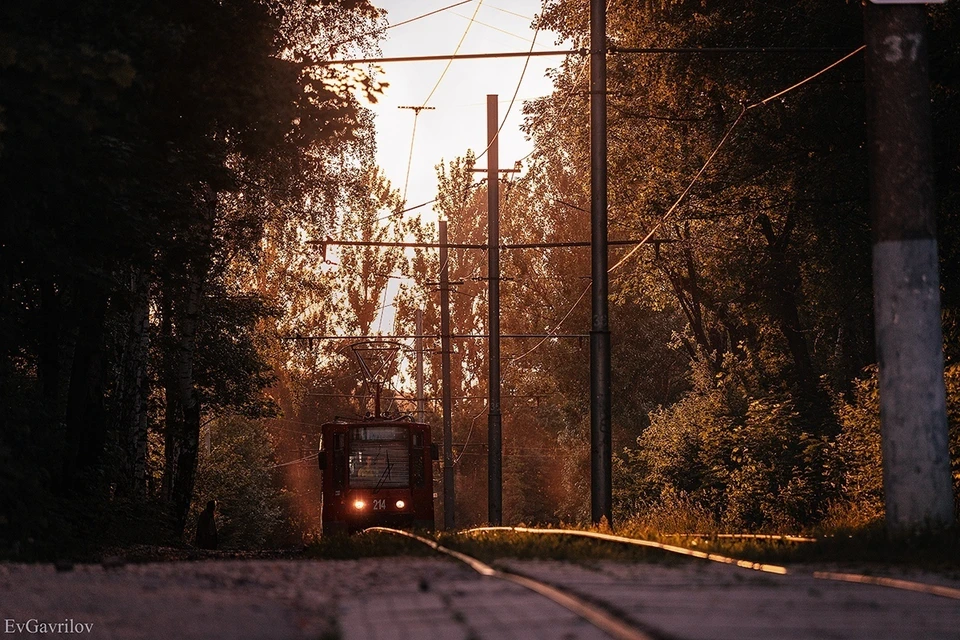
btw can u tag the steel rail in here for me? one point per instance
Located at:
(600, 618)
(942, 591)
(703, 555)
(746, 536)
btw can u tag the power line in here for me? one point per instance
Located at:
(287, 464)
(693, 181)
(520, 185)
(377, 274)
(398, 24)
(413, 137)
(516, 91)
(449, 6)
(490, 26)
(584, 64)
(512, 13)
(417, 110)
(423, 204)
(454, 56)
(723, 141)
(473, 423)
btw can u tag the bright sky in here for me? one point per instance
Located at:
(459, 121)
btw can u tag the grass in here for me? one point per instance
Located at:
(863, 546)
(364, 545)
(493, 545)
(872, 545)
(487, 546)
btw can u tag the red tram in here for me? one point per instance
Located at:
(376, 472)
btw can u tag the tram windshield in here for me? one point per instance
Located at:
(379, 457)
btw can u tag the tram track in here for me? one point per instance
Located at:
(942, 591)
(607, 614)
(600, 617)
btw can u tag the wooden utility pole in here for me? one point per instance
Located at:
(494, 418)
(448, 487)
(421, 401)
(916, 461)
(601, 458)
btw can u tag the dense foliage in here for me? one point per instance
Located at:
(163, 163)
(743, 339)
(761, 286)
(146, 150)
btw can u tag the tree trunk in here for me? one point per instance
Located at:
(182, 434)
(49, 344)
(786, 294)
(85, 416)
(183, 406)
(133, 391)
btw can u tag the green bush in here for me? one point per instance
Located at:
(236, 472)
(732, 449)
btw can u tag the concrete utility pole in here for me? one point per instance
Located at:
(601, 493)
(494, 418)
(448, 488)
(916, 462)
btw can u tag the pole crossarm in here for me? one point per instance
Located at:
(459, 56)
(721, 50)
(482, 247)
(410, 245)
(556, 245)
(459, 336)
(584, 52)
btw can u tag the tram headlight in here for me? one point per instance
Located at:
(359, 505)
(401, 504)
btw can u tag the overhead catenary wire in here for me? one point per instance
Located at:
(455, 54)
(417, 110)
(413, 138)
(507, 11)
(466, 442)
(694, 180)
(743, 111)
(399, 24)
(423, 204)
(312, 456)
(490, 26)
(516, 91)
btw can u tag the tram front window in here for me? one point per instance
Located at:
(379, 458)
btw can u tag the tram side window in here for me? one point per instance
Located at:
(416, 460)
(339, 453)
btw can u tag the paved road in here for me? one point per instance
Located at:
(419, 599)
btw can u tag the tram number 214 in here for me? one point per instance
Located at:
(380, 505)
